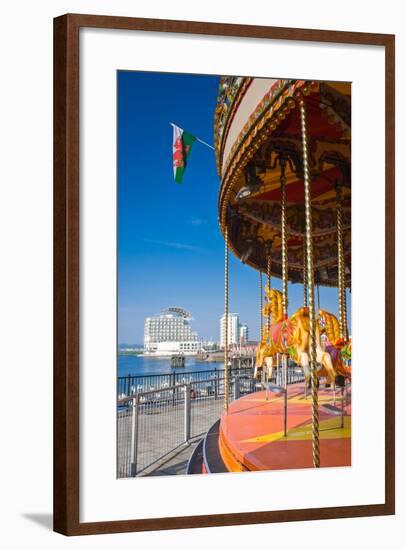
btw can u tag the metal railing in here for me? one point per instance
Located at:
(131, 384)
(153, 424)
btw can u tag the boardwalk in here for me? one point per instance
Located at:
(176, 464)
(162, 435)
(170, 419)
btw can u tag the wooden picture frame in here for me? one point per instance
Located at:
(67, 284)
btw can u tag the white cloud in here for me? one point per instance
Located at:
(170, 244)
(197, 221)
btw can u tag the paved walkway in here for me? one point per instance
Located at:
(177, 464)
(161, 435)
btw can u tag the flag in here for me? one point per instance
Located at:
(182, 144)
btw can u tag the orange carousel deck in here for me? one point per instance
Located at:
(251, 434)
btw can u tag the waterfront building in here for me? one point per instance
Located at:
(169, 333)
(233, 330)
(243, 334)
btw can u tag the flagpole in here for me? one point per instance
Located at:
(197, 138)
(204, 143)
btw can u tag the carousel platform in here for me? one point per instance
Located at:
(251, 435)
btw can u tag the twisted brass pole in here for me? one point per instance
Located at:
(226, 323)
(268, 291)
(310, 274)
(341, 265)
(346, 330)
(284, 252)
(304, 276)
(261, 306)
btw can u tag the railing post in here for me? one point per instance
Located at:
(134, 435)
(174, 388)
(236, 387)
(216, 384)
(285, 383)
(187, 412)
(342, 411)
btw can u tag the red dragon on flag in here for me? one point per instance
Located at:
(182, 144)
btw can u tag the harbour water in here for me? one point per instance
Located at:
(137, 365)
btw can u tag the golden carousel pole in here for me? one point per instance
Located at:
(346, 330)
(284, 255)
(261, 319)
(226, 323)
(341, 265)
(268, 251)
(284, 261)
(261, 306)
(268, 246)
(304, 276)
(310, 275)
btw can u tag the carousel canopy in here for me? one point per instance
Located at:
(257, 136)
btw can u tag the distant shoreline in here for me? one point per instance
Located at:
(141, 353)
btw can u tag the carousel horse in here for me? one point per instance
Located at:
(289, 336)
(338, 348)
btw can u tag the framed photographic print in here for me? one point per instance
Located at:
(223, 244)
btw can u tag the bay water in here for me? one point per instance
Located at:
(138, 365)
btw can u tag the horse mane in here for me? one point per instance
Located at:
(331, 326)
(275, 298)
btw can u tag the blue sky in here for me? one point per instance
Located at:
(170, 249)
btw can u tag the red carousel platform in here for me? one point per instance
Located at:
(250, 436)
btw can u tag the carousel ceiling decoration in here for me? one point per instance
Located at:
(258, 142)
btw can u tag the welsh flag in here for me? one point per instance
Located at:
(182, 144)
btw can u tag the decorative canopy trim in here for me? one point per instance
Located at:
(253, 219)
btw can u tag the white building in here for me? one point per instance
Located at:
(243, 334)
(170, 333)
(233, 330)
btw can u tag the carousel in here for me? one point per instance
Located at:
(283, 153)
